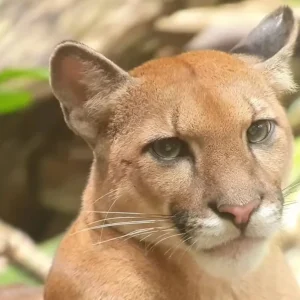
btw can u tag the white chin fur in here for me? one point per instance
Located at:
(232, 267)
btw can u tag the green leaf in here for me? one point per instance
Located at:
(12, 101)
(13, 74)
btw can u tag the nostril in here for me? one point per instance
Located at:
(213, 206)
(224, 215)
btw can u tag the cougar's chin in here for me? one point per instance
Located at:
(233, 259)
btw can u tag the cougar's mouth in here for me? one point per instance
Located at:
(216, 240)
(235, 246)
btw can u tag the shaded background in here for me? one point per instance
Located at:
(43, 166)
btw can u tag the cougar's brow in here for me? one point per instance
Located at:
(188, 66)
(258, 107)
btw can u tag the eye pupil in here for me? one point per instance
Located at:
(168, 149)
(259, 131)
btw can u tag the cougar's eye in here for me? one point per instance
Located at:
(259, 131)
(169, 148)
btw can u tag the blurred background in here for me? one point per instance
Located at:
(43, 166)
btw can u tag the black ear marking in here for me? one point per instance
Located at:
(270, 35)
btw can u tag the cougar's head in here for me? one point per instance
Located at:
(190, 151)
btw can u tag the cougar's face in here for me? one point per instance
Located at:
(191, 151)
(210, 152)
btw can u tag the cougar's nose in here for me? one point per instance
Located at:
(241, 213)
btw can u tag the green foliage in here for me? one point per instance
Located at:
(295, 178)
(13, 100)
(13, 74)
(292, 2)
(296, 165)
(15, 275)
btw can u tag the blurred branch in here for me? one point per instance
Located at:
(194, 20)
(19, 292)
(22, 250)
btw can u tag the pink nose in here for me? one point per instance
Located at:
(241, 213)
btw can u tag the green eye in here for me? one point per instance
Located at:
(168, 149)
(259, 131)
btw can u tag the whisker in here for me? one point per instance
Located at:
(105, 195)
(160, 229)
(292, 188)
(178, 245)
(161, 240)
(142, 231)
(290, 203)
(294, 183)
(117, 218)
(145, 237)
(184, 240)
(187, 249)
(163, 230)
(126, 213)
(145, 232)
(149, 234)
(130, 234)
(151, 244)
(135, 233)
(118, 224)
(115, 200)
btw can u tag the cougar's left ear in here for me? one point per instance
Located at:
(272, 42)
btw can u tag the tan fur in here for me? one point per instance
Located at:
(208, 99)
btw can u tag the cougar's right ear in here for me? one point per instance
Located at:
(87, 85)
(272, 42)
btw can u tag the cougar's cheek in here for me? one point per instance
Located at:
(265, 221)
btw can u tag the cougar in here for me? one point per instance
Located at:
(191, 156)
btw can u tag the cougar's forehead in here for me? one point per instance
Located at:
(206, 86)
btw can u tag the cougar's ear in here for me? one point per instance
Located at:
(272, 42)
(87, 86)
